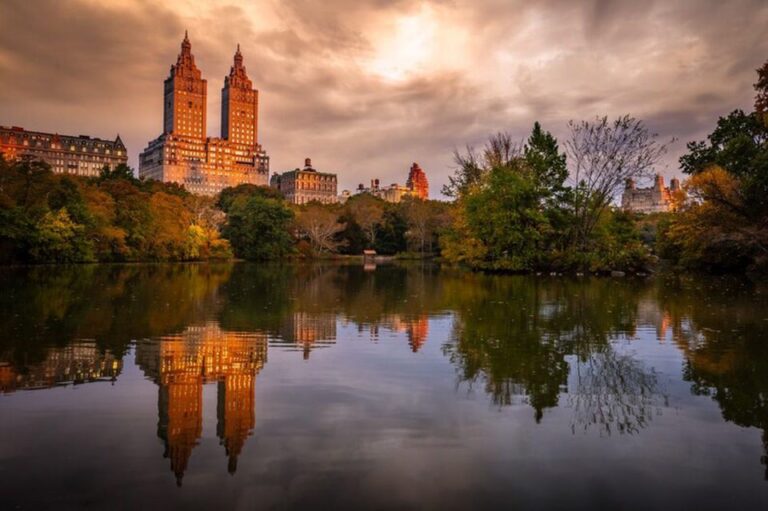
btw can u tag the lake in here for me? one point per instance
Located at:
(247, 386)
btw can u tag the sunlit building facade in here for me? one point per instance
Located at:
(302, 186)
(183, 154)
(416, 186)
(656, 199)
(79, 155)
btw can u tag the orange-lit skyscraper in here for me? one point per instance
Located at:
(184, 154)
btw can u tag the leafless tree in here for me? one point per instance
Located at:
(420, 220)
(320, 225)
(604, 155)
(368, 212)
(499, 150)
(615, 393)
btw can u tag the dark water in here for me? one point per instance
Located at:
(333, 387)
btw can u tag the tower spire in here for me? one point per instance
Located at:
(186, 46)
(238, 58)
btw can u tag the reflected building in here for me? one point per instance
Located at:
(181, 364)
(80, 362)
(309, 331)
(416, 328)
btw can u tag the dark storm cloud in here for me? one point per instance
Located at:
(330, 90)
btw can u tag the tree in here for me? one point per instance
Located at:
(713, 229)
(604, 155)
(543, 156)
(60, 240)
(121, 171)
(367, 212)
(506, 215)
(425, 218)
(321, 225)
(761, 99)
(258, 227)
(739, 144)
(499, 151)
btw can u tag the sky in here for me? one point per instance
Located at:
(366, 87)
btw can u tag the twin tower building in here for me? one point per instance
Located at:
(204, 165)
(185, 154)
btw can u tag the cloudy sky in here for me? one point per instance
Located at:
(365, 87)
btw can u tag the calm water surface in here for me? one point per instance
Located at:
(337, 387)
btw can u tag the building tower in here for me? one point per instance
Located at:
(184, 154)
(185, 96)
(239, 106)
(417, 182)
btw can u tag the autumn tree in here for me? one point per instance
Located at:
(367, 212)
(321, 226)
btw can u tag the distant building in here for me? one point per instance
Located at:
(656, 199)
(302, 186)
(416, 186)
(184, 154)
(79, 155)
(417, 182)
(392, 193)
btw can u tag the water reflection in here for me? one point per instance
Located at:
(180, 365)
(545, 344)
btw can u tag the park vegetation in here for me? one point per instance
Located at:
(722, 222)
(60, 218)
(519, 209)
(517, 206)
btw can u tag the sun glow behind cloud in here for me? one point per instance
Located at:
(365, 87)
(407, 48)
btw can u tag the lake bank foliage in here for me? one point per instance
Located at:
(722, 223)
(61, 218)
(517, 207)
(516, 210)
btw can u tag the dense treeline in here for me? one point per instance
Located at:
(261, 225)
(60, 218)
(518, 209)
(722, 224)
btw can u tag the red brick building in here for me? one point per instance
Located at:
(417, 182)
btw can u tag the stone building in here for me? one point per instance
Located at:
(184, 154)
(79, 155)
(392, 193)
(656, 199)
(416, 186)
(302, 186)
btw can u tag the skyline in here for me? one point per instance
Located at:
(367, 88)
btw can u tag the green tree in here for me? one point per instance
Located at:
(60, 240)
(258, 227)
(739, 144)
(543, 156)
